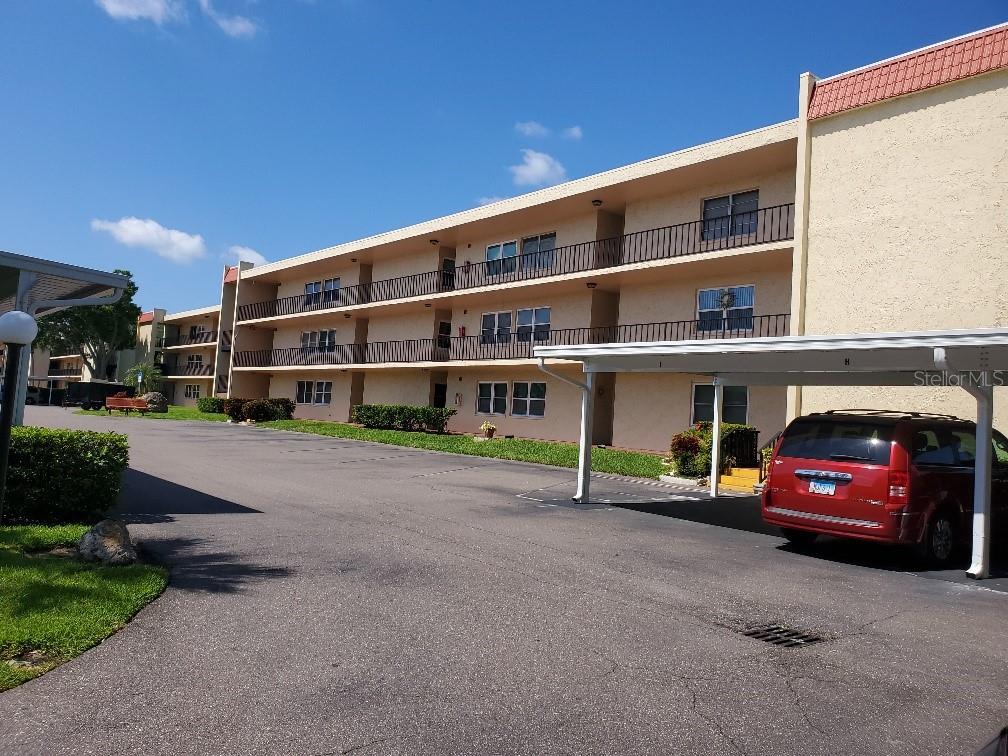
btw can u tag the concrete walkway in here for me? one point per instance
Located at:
(332, 596)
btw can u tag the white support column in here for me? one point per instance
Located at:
(25, 281)
(980, 564)
(715, 464)
(585, 439)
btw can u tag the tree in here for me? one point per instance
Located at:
(146, 376)
(96, 333)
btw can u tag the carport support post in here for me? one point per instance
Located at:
(715, 456)
(585, 441)
(984, 393)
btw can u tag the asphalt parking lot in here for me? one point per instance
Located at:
(333, 596)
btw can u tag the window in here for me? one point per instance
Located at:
(731, 215)
(195, 360)
(537, 251)
(727, 309)
(857, 440)
(491, 399)
(734, 404)
(501, 258)
(312, 293)
(495, 327)
(323, 392)
(330, 292)
(313, 392)
(305, 392)
(533, 323)
(1000, 449)
(324, 341)
(196, 331)
(528, 399)
(964, 443)
(192, 391)
(934, 447)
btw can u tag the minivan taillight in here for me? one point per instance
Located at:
(899, 488)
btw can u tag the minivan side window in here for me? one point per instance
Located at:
(965, 443)
(1000, 449)
(935, 447)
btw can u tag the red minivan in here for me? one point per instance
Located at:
(893, 477)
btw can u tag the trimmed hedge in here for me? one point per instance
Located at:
(63, 476)
(273, 408)
(403, 417)
(210, 404)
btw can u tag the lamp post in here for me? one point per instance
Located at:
(17, 330)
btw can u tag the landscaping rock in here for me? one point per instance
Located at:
(157, 402)
(109, 542)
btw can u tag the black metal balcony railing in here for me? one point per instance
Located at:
(64, 372)
(204, 337)
(509, 345)
(194, 369)
(768, 224)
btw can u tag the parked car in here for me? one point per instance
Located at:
(92, 394)
(892, 477)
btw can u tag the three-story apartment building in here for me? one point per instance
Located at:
(799, 227)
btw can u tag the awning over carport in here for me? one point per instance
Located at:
(966, 358)
(40, 287)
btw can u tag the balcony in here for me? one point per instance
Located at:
(202, 338)
(509, 345)
(196, 369)
(64, 372)
(769, 224)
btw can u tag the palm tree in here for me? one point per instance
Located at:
(145, 376)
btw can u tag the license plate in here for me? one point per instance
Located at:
(827, 487)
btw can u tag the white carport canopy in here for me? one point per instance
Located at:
(966, 358)
(40, 287)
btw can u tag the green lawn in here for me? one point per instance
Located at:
(57, 606)
(614, 461)
(174, 413)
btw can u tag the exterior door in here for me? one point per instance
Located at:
(440, 395)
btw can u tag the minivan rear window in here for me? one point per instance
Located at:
(839, 441)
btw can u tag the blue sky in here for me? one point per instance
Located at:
(163, 135)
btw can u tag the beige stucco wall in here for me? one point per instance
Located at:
(775, 188)
(563, 403)
(571, 230)
(423, 260)
(284, 385)
(348, 274)
(567, 309)
(674, 297)
(908, 214)
(649, 408)
(397, 387)
(206, 387)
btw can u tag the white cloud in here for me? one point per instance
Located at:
(537, 169)
(572, 132)
(233, 26)
(531, 129)
(170, 243)
(158, 11)
(239, 253)
(489, 200)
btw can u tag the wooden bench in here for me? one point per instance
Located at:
(125, 405)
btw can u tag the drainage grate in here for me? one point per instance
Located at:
(779, 635)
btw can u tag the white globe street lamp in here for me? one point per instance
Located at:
(17, 330)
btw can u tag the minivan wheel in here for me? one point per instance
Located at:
(939, 542)
(799, 537)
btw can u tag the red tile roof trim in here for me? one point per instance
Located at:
(146, 317)
(950, 61)
(231, 274)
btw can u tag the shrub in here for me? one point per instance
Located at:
(283, 407)
(233, 409)
(210, 404)
(402, 417)
(690, 450)
(63, 476)
(259, 410)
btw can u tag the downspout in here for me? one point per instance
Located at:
(585, 437)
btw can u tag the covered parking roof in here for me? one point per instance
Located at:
(44, 286)
(967, 358)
